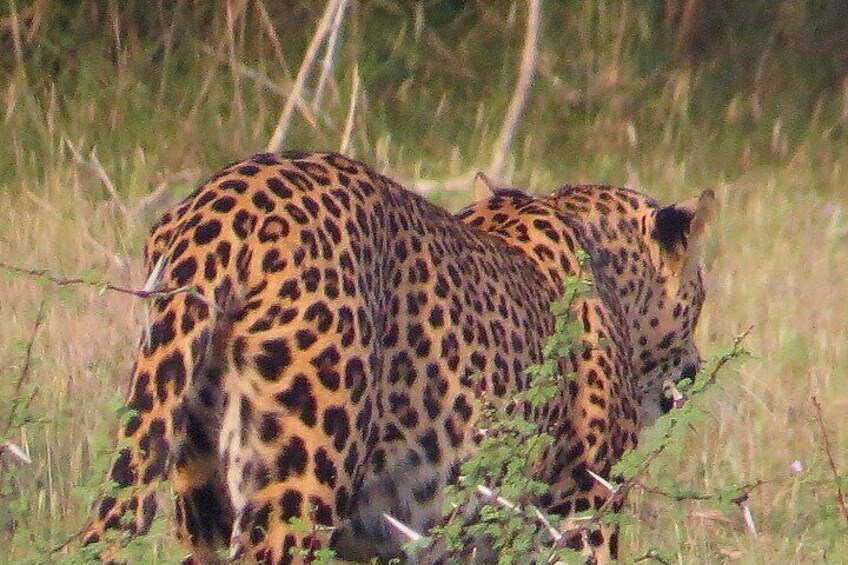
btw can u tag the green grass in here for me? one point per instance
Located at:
(606, 106)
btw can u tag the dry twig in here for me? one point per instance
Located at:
(840, 495)
(102, 286)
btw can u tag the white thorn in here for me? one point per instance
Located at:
(408, 532)
(602, 481)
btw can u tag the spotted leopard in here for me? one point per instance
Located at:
(323, 367)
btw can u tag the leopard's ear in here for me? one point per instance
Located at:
(678, 227)
(486, 187)
(483, 186)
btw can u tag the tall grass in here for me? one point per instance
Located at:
(168, 94)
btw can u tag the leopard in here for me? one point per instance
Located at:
(321, 336)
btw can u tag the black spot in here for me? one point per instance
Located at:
(223, 251)
(273, 228)
(224, 204)
(259, 523)
(297, 214)
(290, 290)
(321, 511)
(248, 170)
(304, 339)
(275, 357)
(271, 158)
(272, 262)
(290, 505)
(299, 399)
(355, 378)
(123, 472)
(236, 185)
(244, 223)
(269, 428)
(311, 277)
(292, 459)
(325, 363)
(463, 408)
(425, 492)
(278, 187)
(325, 469)
(430, 442)
(206, 232)
(184, 271)
(320, 314)
(171, 370)
(261, 201)
(141, 399)
(210, 270)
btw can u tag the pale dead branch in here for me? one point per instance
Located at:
(351, 112)
(318, 38)
(522, 89)
(329, 56)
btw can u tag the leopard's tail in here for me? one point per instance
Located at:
(173, 407)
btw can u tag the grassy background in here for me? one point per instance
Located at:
(750, 100)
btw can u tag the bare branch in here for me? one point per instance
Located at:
(300, 81)
(102, 286)
(16, 390)
(522, 88)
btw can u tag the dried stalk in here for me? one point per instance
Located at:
(318, 38)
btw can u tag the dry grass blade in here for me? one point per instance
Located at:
(93, 164)
(318, 38)
(522, 89)
(262, 81)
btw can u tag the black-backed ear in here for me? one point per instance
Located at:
(677, 224)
